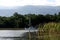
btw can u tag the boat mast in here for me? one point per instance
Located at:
(29, 20)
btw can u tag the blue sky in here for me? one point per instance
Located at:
(11, 3)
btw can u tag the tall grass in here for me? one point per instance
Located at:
(47, 31)
(50, 31)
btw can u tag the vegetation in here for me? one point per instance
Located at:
(48, 25)
(22, 21)
(49, 31)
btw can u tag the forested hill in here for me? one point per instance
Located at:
(22, 21)
(8, 11)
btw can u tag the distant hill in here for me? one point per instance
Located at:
(4, 11)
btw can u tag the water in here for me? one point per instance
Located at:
(13, 34)
(10, 39)
(6, 38)
(21, 35)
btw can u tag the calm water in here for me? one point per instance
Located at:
(13, 34)
(20, 34)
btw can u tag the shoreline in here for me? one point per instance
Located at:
(12, 29)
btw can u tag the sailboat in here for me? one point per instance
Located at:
(30, 26)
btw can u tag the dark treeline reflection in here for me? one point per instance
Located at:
(22, 21)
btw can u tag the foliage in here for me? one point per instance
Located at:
(22, 21)
(50, 27)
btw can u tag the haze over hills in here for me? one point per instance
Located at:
(8, 11)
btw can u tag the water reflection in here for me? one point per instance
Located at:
(24, 35)
(10, 39)
(14, 34)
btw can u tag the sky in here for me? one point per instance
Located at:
(11, 3)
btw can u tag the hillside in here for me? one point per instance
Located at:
(4, 11)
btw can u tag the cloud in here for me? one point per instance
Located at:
(51, 0)
(29, 2)
(57, 2)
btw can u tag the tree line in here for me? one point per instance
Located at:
(22, 21)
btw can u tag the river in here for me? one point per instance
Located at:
(13, 34)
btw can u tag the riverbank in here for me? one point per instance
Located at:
(12, 29)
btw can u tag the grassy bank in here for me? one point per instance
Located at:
(49, 31)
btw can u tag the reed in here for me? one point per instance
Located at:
(50, 31)
(47, 31)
